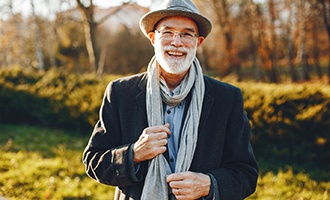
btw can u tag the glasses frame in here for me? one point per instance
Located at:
(184, 36)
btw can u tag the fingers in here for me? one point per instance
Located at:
(151, 143)
(167, 125)
(178, 192)
(189, 185)
(176, 180)
(158, 129)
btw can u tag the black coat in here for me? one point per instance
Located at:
(223, 146)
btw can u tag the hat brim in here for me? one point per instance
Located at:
(149, 20)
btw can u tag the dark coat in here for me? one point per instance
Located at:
(223, 147)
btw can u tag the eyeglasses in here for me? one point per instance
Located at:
(170, 34)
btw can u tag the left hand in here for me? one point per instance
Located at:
(189, 185)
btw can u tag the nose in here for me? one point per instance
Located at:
(177, 41)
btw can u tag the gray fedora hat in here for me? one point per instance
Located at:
(168, 8)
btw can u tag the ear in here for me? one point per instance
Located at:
(200, 40)
(151, 36)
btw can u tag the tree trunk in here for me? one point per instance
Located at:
(90, 31)
(203, 57)
(51, 49)
(326, 21)
(290, 55)
(37, 40)
(290, 50)
(302, 57)
(322, 6)
(224, 20)
(273, 75)
(326, 15)
(254, 40)
(316, 52)
(101, 64)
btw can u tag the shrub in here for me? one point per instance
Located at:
(54, 98)
(290, 122)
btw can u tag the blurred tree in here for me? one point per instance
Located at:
(273, 67)
(288, 38)
(252, 17)
(209, 54)
(323, 8)
(90, 29)
(249, 38)
(37, 39)
(71, 46)
(12, 37)
(315, 31)
(228, 27)
(128, 52)
(50, 31)
(31, 36)
(302, 54)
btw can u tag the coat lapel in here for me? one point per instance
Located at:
(207, 105)
(141, 96)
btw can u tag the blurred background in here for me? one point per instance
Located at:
(57, 57)
(262, 40)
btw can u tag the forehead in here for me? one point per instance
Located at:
(177, 22)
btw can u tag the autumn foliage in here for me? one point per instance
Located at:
(290, 122)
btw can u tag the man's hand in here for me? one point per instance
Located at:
(189, 185)
(151, 143)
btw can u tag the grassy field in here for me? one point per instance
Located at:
(39, 163)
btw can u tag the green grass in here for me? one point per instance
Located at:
(40, 163)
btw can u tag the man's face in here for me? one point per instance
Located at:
(175, 41)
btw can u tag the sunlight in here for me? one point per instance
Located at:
(259, 1)
(107, 4)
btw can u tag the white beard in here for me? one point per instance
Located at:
(173, 65)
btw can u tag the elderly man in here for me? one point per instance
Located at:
(173, 133)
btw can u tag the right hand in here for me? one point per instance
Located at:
(151, 142)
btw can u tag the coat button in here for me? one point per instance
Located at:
(117, 172)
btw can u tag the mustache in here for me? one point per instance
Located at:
(180, 49)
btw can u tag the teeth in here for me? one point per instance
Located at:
(175, 53)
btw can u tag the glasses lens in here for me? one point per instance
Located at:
(185, 36)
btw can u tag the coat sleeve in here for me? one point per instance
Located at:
(107, 158)
(237, 177)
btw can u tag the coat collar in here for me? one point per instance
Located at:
(207, 102)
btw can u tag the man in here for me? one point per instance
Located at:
(173, 133)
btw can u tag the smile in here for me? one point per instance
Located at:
(175, 53)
